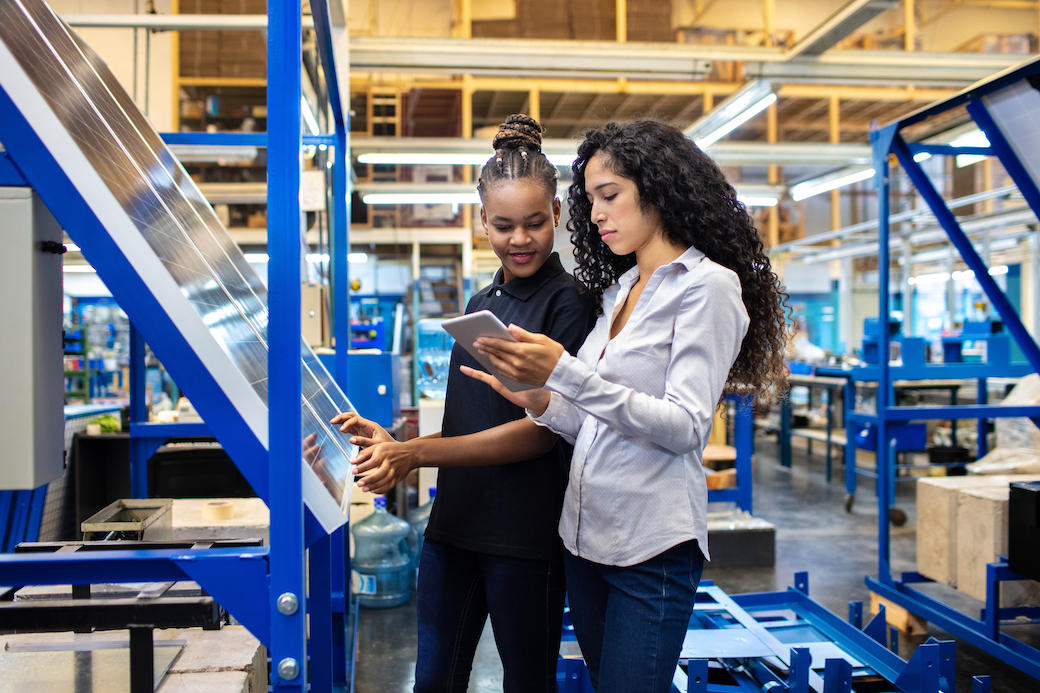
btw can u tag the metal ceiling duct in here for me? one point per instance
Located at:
(847, 19)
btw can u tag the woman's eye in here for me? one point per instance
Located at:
(608, 198)
(503, 229)
(537, 224)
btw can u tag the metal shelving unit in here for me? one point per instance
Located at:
(1003, 108)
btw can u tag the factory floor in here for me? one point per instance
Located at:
(813, 533)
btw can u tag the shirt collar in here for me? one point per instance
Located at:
(690, 259)
(525, 287)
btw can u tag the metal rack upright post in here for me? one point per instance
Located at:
(1004, 108)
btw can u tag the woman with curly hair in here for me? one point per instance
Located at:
(690, 310)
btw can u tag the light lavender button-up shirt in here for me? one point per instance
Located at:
(638, 409)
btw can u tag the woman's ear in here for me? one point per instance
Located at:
(557, 207)
(483, 220)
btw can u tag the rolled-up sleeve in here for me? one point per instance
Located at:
(708, 331)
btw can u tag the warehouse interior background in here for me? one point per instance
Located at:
(784, 95)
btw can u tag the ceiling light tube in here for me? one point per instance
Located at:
(444, 158)
(357, 258)
(420, 198)
(78, 269)
(308, 116)
(737, 109)
(975, 138)
(757, 200)
(739, 120)
(839, 179)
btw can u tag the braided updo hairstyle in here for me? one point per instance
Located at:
(698, 207)
(518, 155)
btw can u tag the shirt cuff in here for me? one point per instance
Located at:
(549, 416)
(567, 376)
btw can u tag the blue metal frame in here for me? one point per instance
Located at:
(10, 176)
(239, 139)
(288, 635)
(743, 441)
(984, 634)
(789, 668)
(247, 582)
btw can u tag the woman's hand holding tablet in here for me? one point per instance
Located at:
(467, 329)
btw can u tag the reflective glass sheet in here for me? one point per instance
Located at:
(171, 214)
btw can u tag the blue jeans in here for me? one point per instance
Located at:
(457, 591)
(631, 621)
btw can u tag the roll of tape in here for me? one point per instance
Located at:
(218, 510)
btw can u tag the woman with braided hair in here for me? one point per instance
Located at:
(492, 546)
(689, 311)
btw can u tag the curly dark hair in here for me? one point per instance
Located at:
(698, 208)
(518, 154)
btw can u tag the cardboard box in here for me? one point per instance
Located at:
(937, 521)
(982, 537)
(727, 478)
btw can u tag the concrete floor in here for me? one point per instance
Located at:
(814, 533)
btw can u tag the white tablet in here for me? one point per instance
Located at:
(466, 329)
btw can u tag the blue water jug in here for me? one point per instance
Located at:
(418, 519)
(381, 567)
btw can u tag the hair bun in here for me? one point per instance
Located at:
(519, 131)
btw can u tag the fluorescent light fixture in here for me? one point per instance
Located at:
(815, 186)
(420, 198)
(214, 154)
(78, 269)
(740, 107)
(357, 258)
(419, 159)
(936, 278)
(969, 274)
(940, 277)
(739, 120)
(257, 257)
(757, 200)
(317, 257)
(975, 138)
(922, 156)
(71, 248)
(445, 158)
(308, 116)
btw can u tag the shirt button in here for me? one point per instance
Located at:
(498, 292)
(552, 418)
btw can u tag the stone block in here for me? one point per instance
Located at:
(937, 521)
(982, 536)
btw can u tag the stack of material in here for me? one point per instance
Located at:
(223, 53)
(738, 540)
(229, 660)
(962, 525)
(221, 518)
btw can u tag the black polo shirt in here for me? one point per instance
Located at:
(512, 509)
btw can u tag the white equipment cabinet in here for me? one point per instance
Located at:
(32, 383)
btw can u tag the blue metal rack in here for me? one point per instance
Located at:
(263, 587)
(743, 441)
(1007, 143)
(786, 642)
